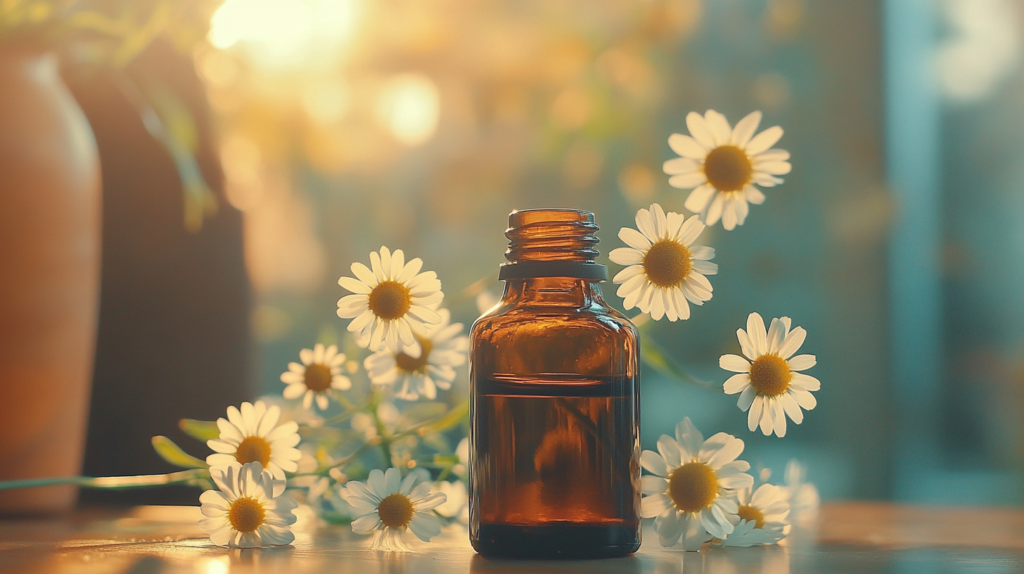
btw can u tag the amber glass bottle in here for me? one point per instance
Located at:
(555, 415)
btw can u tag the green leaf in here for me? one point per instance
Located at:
(456, 416)
(654, 356)
(200, 430)
(173, 454)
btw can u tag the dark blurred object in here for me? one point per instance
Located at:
(174, 307)
(49, 257)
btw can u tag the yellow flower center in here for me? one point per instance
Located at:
(752, 514)
(409, 364)
(693, 486)
(390, 300)
(728, 168)
(770, 375)
(246, 514)
(253, 449)
(395, 511)
(318, 378)
(667, 263)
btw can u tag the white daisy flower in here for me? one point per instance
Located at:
(253, 435)
(248, 510)
(664, 268)
(390, 301)
(441, 350)
(319, 373)
(690, 488)
(724, 165)
(388, 505)
(769, 382)
(803, 497)
(761, 518)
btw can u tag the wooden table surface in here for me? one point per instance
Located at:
(854, 537)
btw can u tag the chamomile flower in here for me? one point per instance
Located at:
(390, 301)
(248, 510)
(724, 165)
(442, 348)
(252, 434)
(769, 382)
(664, 268)
(319, 373)
(761, 518)
(690, 488)
(388, 505)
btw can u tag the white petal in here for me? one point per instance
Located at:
(773, 167)
(653, 484)
(682, 165)
(734, 363)
(364, 274)
(688, 180)
(425, 526)
(719, 126)
(766, 423)
(689, 437)
(736, 383)
(686, 146)
(366, 524)
(731, 449)
(805, 382)
(802, 362)
(745, 129)
(757, 334)
(654, 505)
(778, 418)
(355, 286)
(626, 256)
(690, 230)
(654, 463)
(754, 414)
(645, 223)
(714, 211)
(670, 526)
(792, 343)
(805, 399)
(776, 334)
(792, 408)
(729, 217)
(764, 140)
(746, 398)
(634, 238)
(699, 198)
(625, 275)
(669, 450)
(700, 131)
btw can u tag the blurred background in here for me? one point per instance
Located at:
(323, 129)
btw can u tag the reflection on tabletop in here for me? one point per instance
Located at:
(854, 537)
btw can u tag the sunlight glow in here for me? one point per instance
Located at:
(409, 106)
(283, 32)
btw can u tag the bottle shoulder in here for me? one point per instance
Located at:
(597, 317)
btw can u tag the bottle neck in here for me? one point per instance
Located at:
(552, 243)
(552, 291)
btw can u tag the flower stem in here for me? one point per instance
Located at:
(657, 357)
(112, 482)
(385, 440)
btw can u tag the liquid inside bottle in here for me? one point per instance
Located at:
(555, 417)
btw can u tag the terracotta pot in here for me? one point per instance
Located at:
(49, 278)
